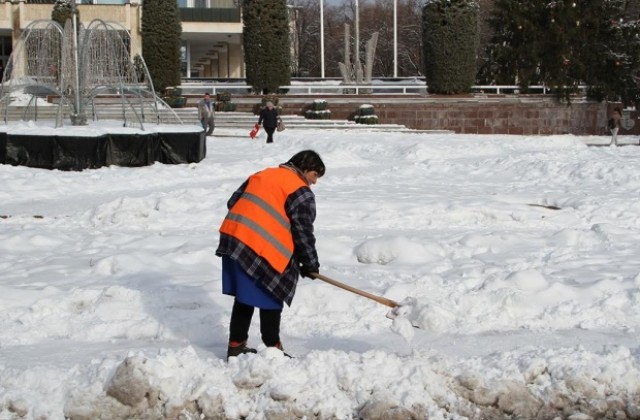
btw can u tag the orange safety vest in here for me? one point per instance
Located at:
(258, 218)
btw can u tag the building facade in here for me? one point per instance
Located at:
(211, 30)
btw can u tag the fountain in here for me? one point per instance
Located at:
(72, 98)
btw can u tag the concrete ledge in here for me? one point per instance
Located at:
(470, 114)
(467, 114)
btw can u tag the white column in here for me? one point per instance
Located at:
(188, 47)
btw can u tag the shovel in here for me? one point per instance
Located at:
(387, 302)
(397, 312)
(254, 132)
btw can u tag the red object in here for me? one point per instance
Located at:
(254, 132)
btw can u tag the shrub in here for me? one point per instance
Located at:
(223, 97)
(229, 107)
(265, 38)
(313, 114)
(451, 39)
(366, 110)
(318, 110)
(223, 102)
(319, 105)
(366, 119)
(161, 33)
(173, 97)
(63, 10)
(366, 115)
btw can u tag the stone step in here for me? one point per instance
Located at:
(236, 122)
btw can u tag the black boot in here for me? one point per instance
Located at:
(279, 347)
(236, 349)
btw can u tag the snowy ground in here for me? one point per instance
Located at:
(110, 303)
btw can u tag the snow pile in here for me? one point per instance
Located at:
(513, 260)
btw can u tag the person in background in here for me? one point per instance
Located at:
(206, 114)
(614, 125)
(266, 242)
(269, 120)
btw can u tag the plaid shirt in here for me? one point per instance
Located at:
(300, 207)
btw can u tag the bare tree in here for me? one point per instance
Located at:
(410, 55)
(307, 37)
(375, 16)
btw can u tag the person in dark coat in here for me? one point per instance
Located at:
(266, 242)
(269, 120)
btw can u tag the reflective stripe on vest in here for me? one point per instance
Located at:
(258, 219)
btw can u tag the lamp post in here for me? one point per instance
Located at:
(322, 39)
(78, 118)
(395, 38)
(357, 46)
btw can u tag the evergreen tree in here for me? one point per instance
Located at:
(613, 65)
(564, 44)
(512, 53)
(62, 11)
(161, 33)
(265, 38)
(451, 38)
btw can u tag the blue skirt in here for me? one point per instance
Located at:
(236, 282)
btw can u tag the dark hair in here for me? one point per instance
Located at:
(308, 160)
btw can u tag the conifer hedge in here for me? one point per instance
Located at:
(62, 11)
(265, 38)
(161, 34)
(451, 40)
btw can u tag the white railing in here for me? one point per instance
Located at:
(335, 88)
(220, 4)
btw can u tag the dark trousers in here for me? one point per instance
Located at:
(241, 315)
(269, 131)
(208, 124)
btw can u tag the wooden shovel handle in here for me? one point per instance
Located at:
(388, 302)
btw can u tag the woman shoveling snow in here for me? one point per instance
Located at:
(266, 242)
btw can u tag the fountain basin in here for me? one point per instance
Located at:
(98, 144)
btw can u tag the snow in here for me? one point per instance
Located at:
(110, 302)
(92, 129)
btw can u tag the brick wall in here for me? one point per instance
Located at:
(524, 115)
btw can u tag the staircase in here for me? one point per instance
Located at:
(227, 123)
(232, 121)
